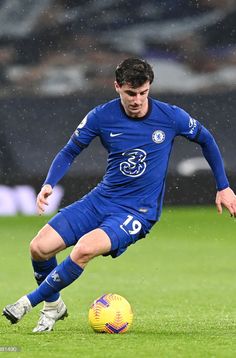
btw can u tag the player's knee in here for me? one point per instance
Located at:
(82, 253)
(37, 250)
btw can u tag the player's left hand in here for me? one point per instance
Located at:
(227, 198)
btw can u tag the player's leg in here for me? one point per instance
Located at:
(43, 249)
(51, 239)
(46, 244)
(55, 310)
(71, 224)
(115, 234)
(92, 244)
(124, 229)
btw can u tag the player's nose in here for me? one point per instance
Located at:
(137, 99)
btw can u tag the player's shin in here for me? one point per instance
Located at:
(63, 275)
(41, 270)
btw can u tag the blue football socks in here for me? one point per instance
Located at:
(63, 275)
(41, 270)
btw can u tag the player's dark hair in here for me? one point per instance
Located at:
(134, 71)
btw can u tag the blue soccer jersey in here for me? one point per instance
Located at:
(138, 151)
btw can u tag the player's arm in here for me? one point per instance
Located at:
(225, 195)
(57, 170)
(194, 131)
(84, 133)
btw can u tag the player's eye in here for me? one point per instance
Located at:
(133, 94)
(143, 93)
(129, 93)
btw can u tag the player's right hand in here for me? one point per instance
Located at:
(42, 198)
(227, 198)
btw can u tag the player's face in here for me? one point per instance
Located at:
(134, 100)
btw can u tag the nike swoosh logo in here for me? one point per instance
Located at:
(115, 134)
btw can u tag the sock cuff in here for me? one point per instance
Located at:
(62, 276)
(72, 266)
(44, 265)
(52, 303)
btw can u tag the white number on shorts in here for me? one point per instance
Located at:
(136, 225)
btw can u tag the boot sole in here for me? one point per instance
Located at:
(65, 314)
(9, 316)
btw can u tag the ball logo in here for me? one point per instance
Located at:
(110, 313)
(158, 136)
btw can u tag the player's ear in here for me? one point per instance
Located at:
(117, 87)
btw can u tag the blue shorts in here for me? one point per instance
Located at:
(95, 211)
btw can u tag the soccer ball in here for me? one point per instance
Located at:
(110, 313)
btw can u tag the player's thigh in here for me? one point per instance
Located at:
(92, 244)
(74, 221)
(124, 229)
(46, 243)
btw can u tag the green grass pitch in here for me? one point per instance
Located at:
(180, 281)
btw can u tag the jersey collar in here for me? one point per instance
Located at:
(140, 118)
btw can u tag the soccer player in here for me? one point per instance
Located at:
(138, 133)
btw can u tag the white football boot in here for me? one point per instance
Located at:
(51, 312)
(17, 310)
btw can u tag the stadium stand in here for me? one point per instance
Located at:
(57, 60)
(62, 47)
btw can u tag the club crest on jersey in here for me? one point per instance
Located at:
(158, 136)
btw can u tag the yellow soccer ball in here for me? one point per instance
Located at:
(110, 313)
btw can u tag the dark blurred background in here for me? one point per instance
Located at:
(57, 61)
